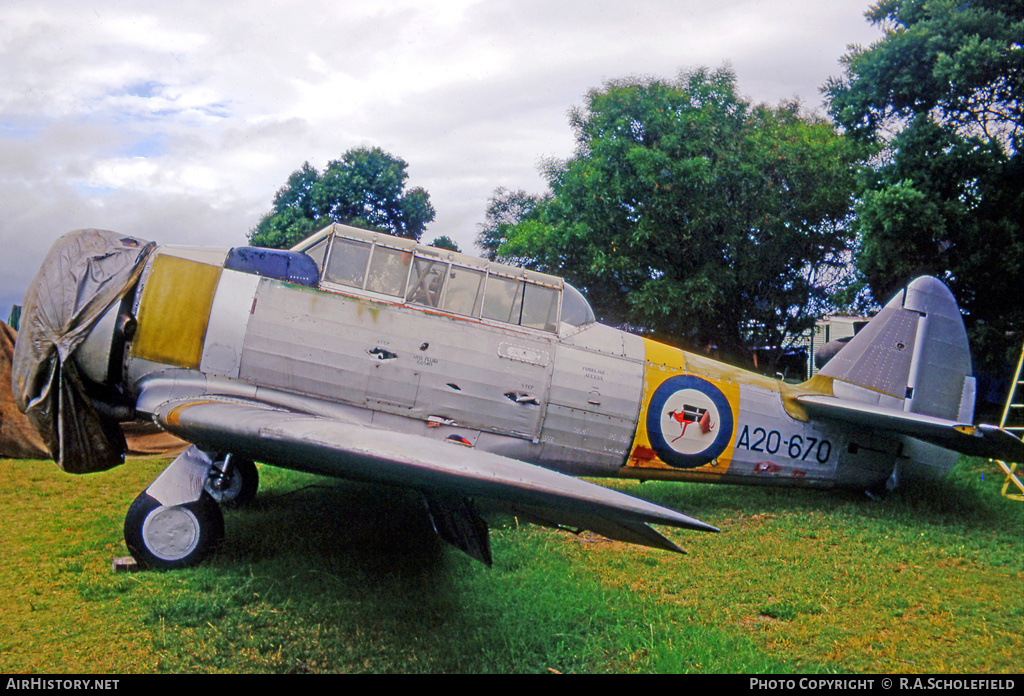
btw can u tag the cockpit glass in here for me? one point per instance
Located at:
(540, 308)
(317, 252)
(463, 296)
(389, 270)
(347, 262)
(426, 282)
(503, 299)
(575, 308)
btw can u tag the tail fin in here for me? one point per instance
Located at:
(912, 356)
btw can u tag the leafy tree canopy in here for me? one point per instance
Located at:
(691, 214)
(365, 188)
(445, 242)
(505, 210)
(940, 95)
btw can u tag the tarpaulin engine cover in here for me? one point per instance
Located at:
(84, 274)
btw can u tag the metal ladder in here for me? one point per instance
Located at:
(1013, 421)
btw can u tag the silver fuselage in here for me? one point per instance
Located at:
(583, 399)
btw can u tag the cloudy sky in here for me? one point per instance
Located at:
(178, 121)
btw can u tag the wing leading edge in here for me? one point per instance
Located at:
(448, 475)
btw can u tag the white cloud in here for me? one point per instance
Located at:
(179, 121)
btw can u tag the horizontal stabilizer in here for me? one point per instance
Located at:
(979, 441)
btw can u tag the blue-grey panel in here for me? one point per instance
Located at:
(281, 264)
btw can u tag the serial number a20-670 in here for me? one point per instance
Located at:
(803, 448)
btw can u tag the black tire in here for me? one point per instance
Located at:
(179, 536)
(239, 487)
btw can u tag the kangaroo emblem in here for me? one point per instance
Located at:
(689, 415)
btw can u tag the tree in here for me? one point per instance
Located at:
(940, 97)
(445, 242)
(365, 188)
(505, 210)
(690, 214)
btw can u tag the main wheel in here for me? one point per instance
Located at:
(238, 486)
(178, 536)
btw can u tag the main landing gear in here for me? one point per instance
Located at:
(175, 536)
(177, 521)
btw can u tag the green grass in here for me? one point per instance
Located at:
(327, 576)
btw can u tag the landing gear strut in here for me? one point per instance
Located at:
(177, 521)
(233, 481)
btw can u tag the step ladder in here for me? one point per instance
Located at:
(1013, 421)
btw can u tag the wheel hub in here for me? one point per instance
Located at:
(171, 533)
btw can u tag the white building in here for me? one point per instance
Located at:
(826, 330)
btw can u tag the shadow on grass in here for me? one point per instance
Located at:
(351, 577)
(337, 526)
(373, 533)
(335, 570)
(969, 497)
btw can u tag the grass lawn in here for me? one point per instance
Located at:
(327, 576)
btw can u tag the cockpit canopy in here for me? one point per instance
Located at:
(401, 269)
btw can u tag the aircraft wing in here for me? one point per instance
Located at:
(976, 440)
(448, 474)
